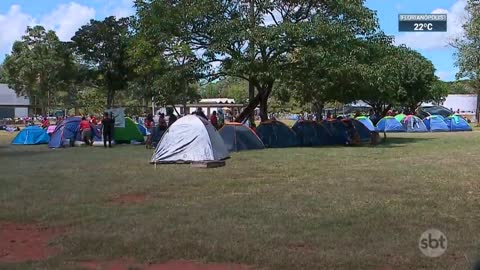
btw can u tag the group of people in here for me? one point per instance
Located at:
(155, 130)
(107, 125)
(156, 127)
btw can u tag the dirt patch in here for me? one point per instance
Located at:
(27, 242)
(174, 265)
(130, 198)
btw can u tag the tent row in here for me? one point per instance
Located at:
(67, 132)
(193, 138)
(411, 123)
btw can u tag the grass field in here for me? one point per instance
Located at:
(299, 208)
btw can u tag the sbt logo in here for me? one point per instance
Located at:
(432, 243)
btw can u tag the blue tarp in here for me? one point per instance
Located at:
(31, 135)
(390, 124)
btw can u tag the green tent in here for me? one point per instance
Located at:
(400, 117)
(129, 133)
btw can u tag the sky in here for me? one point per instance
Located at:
(66, 16)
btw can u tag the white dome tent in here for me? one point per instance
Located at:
(190, 139)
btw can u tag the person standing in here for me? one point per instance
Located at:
(201, 114)
(86, 131)
(171, 118)
(221, 118)
(45, 122)
(107, 130)
(214, 120)
(149, 126)
(162, 124)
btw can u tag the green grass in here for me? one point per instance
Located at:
(298, 208)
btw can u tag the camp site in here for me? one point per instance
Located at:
(239, 135)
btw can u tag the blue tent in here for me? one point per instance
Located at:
(69, 129)
(366, 122)
(142, 129)
(238, 137)
(414, 124)
(337, 130)
(364, 133)
(457, 123)
(276, 134)
(390, 124)
(435, 123)
(31, 135)
(311, 133)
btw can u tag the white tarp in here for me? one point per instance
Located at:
(119, 116)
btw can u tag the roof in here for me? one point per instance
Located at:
(8, 97)
(217, 100)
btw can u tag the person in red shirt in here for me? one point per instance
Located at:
(86, 131)
(93, 120)
(45, 123)
(149, 126)
(214, 119)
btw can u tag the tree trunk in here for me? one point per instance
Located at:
(318, 109)
(185, 109)
(109, 98)
(175, 108)
(263, 107)
(252, 104)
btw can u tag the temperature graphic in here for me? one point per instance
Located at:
(422, 22)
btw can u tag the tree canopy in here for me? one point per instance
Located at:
(217, 31)
(296, 54)
(40, 66)
(103, 47)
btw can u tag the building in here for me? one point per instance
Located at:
(11, 105)
(465, 105)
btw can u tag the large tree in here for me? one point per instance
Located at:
(416, 80)
(103, 47)
(167, 74)
(220, 31)
(468, 53)
(39, 66)
(3, 75)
